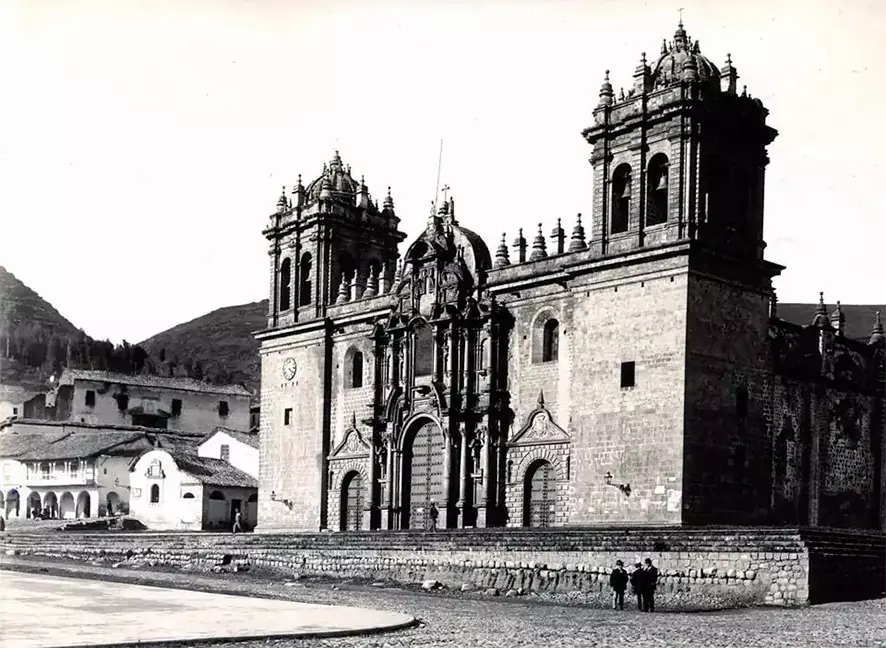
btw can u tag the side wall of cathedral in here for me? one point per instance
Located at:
(610, 316)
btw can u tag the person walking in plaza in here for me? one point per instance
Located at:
(238, 522)
(637, 578)
(618, 581)
(650, 580)
(432, 514)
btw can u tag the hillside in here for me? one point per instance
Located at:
(218, 346)
(859, 318)
(37, 342)
(25, 319)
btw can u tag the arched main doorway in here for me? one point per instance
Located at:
(352, 502)
(83, 504)
(539, 493)
(423, 462)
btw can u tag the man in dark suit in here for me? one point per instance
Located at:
(637, 579)
(650, 579)
(618, 581)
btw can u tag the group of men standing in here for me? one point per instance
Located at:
(643, 580)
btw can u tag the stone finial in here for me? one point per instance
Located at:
(877, 336)
(773, 305)
(385, 279)
(558, 236)
(519, 246)
(299, 192)
(577, 240)
(398, 275)
(642, 76)
(728, 76)
(371, 283)
(539, 247)
(501, 254)
(356, 287)
(838, 319)
(282, 202)
(821, 313)
(363, 201)
(606, 94)
(342, 296)
(389, 202)
(541, 398)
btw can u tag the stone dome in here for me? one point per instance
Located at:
(444, 237)
(341, 184)
(680, 54)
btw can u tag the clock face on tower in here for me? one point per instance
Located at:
(289, 368)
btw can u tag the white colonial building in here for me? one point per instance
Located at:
(67, 470)
(203, 489)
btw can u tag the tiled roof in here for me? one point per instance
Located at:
(248, 438)
(213, 472)
(79, 445)
(183, 384)
(13, 444)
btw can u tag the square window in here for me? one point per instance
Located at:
(176, 407)
(223, 408)
(627, 374)
(90, 398)
(287, 416)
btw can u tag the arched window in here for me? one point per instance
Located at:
(621, 198)
(216, 495)
(188, 496)
(550, 341)
(424, 350)
(285, 284)
(355, 369)
(657, 190)
(304, 291)
(155, 494)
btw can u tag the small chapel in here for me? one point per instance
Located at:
(635, 373)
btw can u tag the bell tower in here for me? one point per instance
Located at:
(328, 242)
(680, 155)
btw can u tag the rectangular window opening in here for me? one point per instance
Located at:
(287, 416)
(90, 398)
(223, 408)
(226, 453)
(176, 407)
(627, 374)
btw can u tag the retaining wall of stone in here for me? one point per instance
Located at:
(705, 568)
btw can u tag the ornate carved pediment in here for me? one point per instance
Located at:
(352, 445)
(540, 428)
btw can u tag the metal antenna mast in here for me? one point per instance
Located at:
(439, 166)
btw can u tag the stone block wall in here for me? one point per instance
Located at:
(292, 457)
(702, 567)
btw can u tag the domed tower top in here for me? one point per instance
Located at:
(342, 186)
(678, 59)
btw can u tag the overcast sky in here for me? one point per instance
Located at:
(144, 144)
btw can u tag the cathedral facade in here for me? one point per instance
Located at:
(636, 373)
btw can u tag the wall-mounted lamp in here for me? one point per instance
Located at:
(284, 501)
(624, 488)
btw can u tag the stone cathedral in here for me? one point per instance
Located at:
(635, 373)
